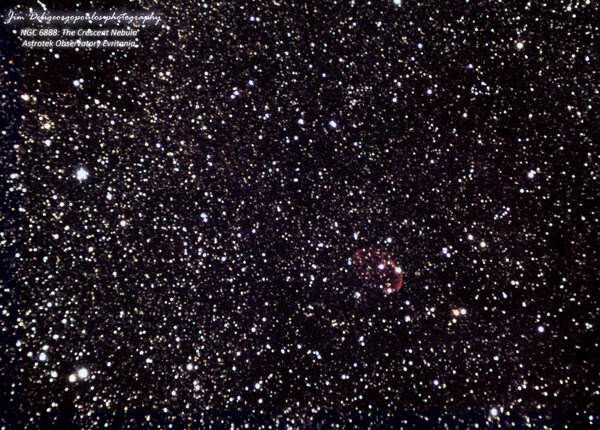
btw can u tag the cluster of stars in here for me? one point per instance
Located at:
(246, 213)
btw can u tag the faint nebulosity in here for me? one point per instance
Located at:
(189, 215)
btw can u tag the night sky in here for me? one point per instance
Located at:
(218, 222)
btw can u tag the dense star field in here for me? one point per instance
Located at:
(187, 216)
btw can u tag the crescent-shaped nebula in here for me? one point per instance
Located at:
(376, 269)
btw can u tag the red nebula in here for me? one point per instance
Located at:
(376, 268)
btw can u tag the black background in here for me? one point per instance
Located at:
(415, 170)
